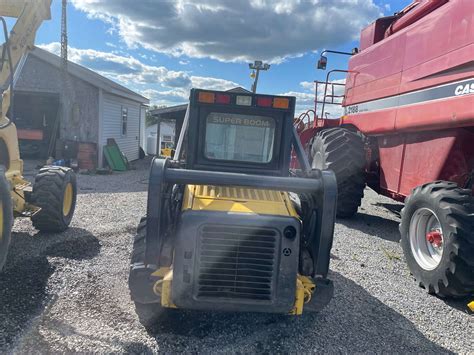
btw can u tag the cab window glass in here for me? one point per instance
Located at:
(235, 137)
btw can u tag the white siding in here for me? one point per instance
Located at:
(142, 127)
(112, 124)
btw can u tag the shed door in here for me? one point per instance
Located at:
(121, 121)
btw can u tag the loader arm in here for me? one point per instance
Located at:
(30, 14)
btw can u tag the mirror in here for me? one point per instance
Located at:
(322, 62)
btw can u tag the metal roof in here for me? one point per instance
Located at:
(90, 76)
(171, 109)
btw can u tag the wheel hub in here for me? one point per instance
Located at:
(435, 238)
(426, 238)
(68, 199)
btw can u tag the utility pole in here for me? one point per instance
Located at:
(64, 35)
(256, 67)
(64, 108)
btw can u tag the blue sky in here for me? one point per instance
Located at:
(161, 48)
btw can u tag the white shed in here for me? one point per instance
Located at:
(121, 121)
(101, 108)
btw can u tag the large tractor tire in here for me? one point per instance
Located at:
(342, 151)
(6, 217)
(148, 313)
(437, 236)
(55, 192)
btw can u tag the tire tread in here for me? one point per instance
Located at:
(457, 209)
(343, 152)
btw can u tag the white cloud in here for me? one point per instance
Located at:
(166, 97)
(166, 86)
(307, 85)
(212, 83)
(230, 30)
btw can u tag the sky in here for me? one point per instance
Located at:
(162, 48)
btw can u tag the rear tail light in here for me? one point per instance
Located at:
(279, 102)
(264, 101)
(222, 99)
(206, 97)
(243, 100)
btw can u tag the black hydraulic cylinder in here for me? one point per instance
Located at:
(300, 153)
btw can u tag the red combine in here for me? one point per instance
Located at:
(408, 133)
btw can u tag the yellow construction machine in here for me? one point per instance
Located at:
(50, 201)
(227, 227)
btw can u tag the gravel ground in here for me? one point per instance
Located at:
(68, 292)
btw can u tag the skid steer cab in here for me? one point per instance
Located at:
(227, 228)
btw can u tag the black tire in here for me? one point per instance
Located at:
(49, 193)
(6, 217)
(342, 151)
(454, 209)
(148, 313)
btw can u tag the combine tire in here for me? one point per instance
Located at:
(342, 151)
(6, 217)
(438, 239)
(55, 192)
(148, 313)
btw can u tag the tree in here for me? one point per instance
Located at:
(150, 119)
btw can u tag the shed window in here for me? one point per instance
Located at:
(124, 120)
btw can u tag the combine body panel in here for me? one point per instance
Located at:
(418, 81)
(408, 132)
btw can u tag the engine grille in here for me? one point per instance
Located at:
(237, 262)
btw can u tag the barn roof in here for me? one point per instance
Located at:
(90, 76)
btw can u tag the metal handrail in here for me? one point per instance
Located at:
(327, 82)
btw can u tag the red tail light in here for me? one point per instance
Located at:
(264, 101)
(222, 99)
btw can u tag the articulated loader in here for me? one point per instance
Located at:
(227, 228)
(50, 202)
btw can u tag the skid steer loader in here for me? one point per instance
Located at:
(227, 228)
(50, 202)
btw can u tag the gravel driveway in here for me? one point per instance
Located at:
(68, 292)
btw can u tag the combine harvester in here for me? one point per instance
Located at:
(408, 133)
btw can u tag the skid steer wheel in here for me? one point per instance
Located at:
(437, 238)
(55, 192)
(342, 151)
(148, 313)
(6, 217)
